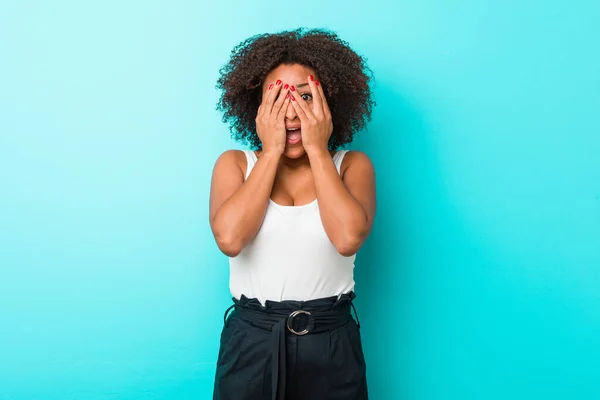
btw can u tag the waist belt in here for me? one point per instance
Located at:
(298, 318)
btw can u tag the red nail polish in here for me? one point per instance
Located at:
(312, 78)
(287, 96)
(278, 82)
(317, 83)
(292, 88)
(270, 86)
(286, 86)
(293, 98)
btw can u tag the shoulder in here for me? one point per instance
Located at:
(232, 160)
(232, 156)
(356, 161)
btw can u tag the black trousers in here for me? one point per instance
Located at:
(262, 356)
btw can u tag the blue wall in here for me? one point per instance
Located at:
(481, 279)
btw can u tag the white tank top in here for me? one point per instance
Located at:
(291, 257)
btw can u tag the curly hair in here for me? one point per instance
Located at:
(343, 73)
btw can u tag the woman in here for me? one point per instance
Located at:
(291, 216)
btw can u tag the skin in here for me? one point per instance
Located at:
(293, 174)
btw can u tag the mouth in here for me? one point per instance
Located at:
(294, 135)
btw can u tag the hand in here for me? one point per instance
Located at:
(317, 126)
(270, 124)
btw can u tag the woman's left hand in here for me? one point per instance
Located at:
(316, 121)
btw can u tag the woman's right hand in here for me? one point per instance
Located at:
(270, 118)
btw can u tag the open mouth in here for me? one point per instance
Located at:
(294, 135)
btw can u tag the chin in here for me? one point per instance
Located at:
(295, 151)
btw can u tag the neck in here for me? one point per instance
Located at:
(294, 163)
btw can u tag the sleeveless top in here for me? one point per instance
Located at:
(291, 257)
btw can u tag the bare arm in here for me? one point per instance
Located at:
(347, 206)
(237, 207)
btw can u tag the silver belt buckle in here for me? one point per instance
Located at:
(291, 317)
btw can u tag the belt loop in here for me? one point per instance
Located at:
(227, 312)
(355, 314)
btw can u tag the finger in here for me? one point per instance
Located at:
(301, 113)
(280, 99)
(284, 107)
(326, 110)
(316, 95)
(297, 98)
(272, 92)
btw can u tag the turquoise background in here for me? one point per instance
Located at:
(481, 279)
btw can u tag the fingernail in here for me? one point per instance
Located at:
(270, 86)
(287, 96)
(286, 86)
(293, 98)
(278, 82)
(292, 88)
(312, 78)
(317, 83)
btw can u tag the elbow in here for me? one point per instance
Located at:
(347, 251)
(227, 240)
(349, 246)
(230, 251)
(228, 245)
(351, 237)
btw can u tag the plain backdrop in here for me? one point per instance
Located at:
(480, 281)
